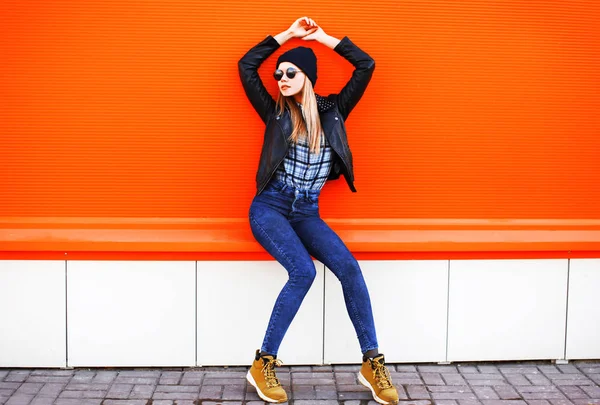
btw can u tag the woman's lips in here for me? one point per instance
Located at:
(285, 87)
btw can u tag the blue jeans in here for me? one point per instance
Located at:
(287, 224)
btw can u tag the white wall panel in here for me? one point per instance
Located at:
(409, 300)
(131, 313)
(32, 313)
(507, 309)
(583, 326)
(235, 300)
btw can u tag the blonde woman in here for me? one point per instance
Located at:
(305, 145)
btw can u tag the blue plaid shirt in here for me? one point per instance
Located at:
(304, 170)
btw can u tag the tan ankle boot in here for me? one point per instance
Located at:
(375, 376)
(262, 377)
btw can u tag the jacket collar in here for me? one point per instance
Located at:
(323, 104)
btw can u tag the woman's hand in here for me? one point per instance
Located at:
(318, 35)
(302, 27)
(307, 29)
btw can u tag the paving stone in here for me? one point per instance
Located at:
(568, 368)
(51, 390)
(469, 402)
(517, 369)
(119, 391)
(178, 388)
(573, 392)
(449, 388)
(484, 376)
(467, 369)
(543, 395)
(52, 372)
(345, 378)
(77, 401)
(532, 388)
(315, 402)
(453, 379)
(407, 381)
(251, 395)
(453, 395)
(167, 402)
(140, 374)
(506, 392)
(176, 396)
(82, 387)
(592, 391)
(549, 369)
(581, 382)
(104, 377)
(437, 369)
(485, 393)
(445, 402)
(17, 376)
(313, 381)
(503, 402)
(417, 392)
(303, 392)
(29, 388)
(47, 379)
(488, 369)
(325, 392)
(10, 385)
(586, 401)
(142, 391)
(432, 379)
(125, 402)
(20, 399)
(42, 401)
(497, 382)
(517, 379)
(538, 379)
(538, 402)
(210, 392)
(233, 392)
(355, 395)
(218, 403)
(560, 402)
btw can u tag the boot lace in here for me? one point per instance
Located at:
(269, 372)
(381, 375)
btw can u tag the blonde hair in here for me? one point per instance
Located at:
(308, 125)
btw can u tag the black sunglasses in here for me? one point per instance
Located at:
(290, 73)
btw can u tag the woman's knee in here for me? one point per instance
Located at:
(304, 276)
(347, 268)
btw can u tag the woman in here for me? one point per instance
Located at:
(305, 145)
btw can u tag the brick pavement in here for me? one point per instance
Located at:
(515, 383)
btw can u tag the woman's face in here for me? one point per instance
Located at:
(290, 87)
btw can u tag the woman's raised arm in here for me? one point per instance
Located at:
(364, 65)
(248, 65)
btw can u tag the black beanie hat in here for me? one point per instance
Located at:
(304, 58)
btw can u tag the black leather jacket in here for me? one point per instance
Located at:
(333, 113)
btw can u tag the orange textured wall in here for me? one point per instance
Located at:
(477, 109)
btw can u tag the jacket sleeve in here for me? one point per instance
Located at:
(356, 86)
(248, 66)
